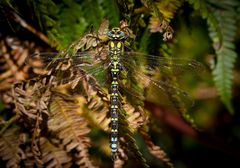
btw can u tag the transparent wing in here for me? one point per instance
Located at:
(72, 69)
(140, 73)
(78, 73)
(175, 66)
(48, 60)
(156, 74)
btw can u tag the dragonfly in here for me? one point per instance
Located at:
(113, 68)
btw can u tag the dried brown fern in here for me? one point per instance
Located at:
(54, 155)
(98, 112)
(10, 150)
(31, 98)
(120, 161)
(162, 13)
(136, 117)
(67, 125)
(155, 150)
(61, 121)
(127, 141)
(13, 68)
(29, 161)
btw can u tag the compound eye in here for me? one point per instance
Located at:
(120, 34)
(110, 34)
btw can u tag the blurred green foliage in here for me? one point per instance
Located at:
(56, 18)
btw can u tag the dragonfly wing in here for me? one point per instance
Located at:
(86, 81)
(164, 92)
(72, 69)
(97, 71)
(174, 66)
(77, 73)
(156, 87)
(49, 60)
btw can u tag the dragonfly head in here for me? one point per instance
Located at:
(116, 34)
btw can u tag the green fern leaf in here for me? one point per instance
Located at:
(221, 19)
(111, 12)
(168, 8)
(224, 48)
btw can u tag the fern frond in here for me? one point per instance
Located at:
(155, 150)
(97, 104)
(136, 117)
(111, 12)
(168, 8)
(65, 122)
(222, 29)
(55, 19)
(35, 141)
(29, 161)
(144, 42)
(9, 148)
(53, 156)
(31, 98)
(95, 19)
(129, 143)
(163, 11)
(13, 68)
(99, 112)
(118, 163)
(225, 51)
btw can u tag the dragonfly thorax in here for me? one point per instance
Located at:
(115, 50)
(115, 46)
